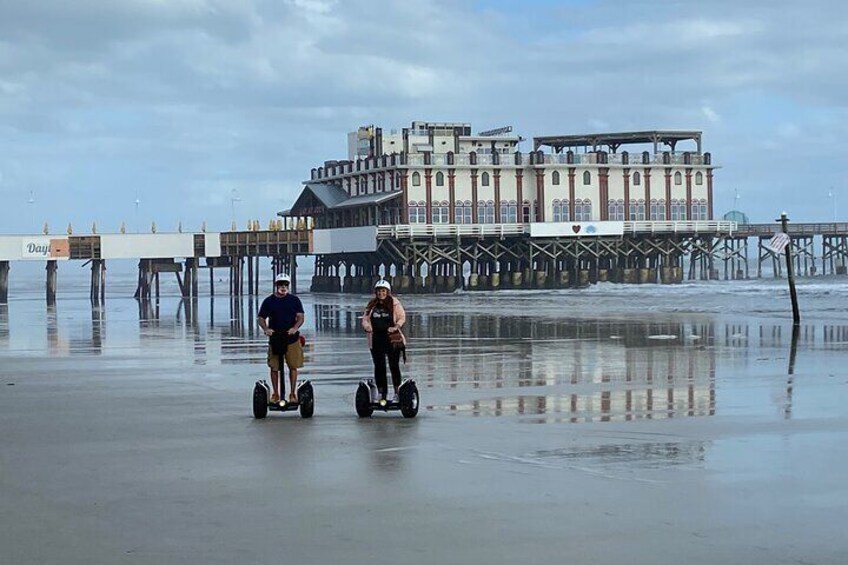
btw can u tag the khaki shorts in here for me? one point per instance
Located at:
(294, 357)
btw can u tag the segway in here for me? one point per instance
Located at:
(261, 401)
(407, 401)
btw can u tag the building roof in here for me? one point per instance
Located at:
(319, 197)
(367, 199)
(668, 137)
(315, 195)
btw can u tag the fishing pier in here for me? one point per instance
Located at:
(428, 258)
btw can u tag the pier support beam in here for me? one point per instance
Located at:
(52, 281)
(4, 282)
(97, 289)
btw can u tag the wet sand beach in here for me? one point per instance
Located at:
(639, 425)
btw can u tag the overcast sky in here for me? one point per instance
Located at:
(180, 102)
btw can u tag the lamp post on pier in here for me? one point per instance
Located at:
(832, 196)
(137, 202)
(234, 197)
(31, 205)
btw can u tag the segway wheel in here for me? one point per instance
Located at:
(363, 401)
(260, 402)
(409, 400)
(306, 400)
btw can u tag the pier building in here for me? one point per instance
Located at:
(440, 208)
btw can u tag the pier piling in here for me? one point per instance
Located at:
(4, 282)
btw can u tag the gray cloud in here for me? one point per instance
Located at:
(185, 100)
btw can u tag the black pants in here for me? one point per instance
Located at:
(380, 350)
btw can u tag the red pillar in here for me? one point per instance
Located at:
(603, 190)
(688, 194)
(646, 179)
(404, 209)
(496, 175)
(452, 194)
(428, 183)
(626, 194)
(519, 195)
(540, 194)
(571, 192)
(710, 194)
(473, 196)
(668, 194)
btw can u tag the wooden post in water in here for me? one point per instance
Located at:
(293, 272)
(52, 281)
(94, 287)
(4, 282)
(194, 281)
(250, 285)
(790, 275)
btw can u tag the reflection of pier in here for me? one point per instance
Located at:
(584, 370)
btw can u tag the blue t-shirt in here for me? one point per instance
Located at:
(282, 311)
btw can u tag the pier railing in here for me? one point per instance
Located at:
(817, 228)
(408, 231)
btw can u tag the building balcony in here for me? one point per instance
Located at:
(334, 170)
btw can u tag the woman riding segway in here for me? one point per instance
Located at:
(383, 319)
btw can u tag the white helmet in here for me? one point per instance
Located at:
(383, 283)
(282, 277)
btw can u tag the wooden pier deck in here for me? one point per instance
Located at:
(441, 257)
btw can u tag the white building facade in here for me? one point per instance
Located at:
(441, 173)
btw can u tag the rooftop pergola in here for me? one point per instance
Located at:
(614, 140)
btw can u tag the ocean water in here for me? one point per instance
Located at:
(611, 423)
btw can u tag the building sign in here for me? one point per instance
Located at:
(778, 243)
(45, 248)
(576, 229)
(498, 131)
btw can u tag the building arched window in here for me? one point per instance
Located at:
(485, 212)
(440, 179)
(561, 211)
(637, 210)
(699, 178)
(699, 209)
(484, 179)
(555, 178)
(587, 178)
(462, 212)
(509, 212)
(615, 208)
(678, 178)
(678, 210)
(658, 210)
(582, 210)
(416, 179)
(441, 212)
(637, 179)
(417, 212)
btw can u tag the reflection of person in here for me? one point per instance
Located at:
(384, 315)
(280, 317)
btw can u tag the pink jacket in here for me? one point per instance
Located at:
(398, 313)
